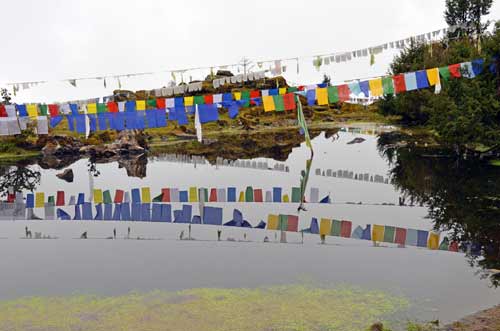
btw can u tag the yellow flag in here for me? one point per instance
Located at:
(325, 226)
(188, 101)
(268, 103)
(433, 242)
(146, 195)
(32, 110)
(237, 95)
(40, 200)
(378, 233)
(322, 95)
(376, 87)
(272, 222)
(91, 108)
(282, 90)
(98, 196)
(286, 198)
(193, 194)
(242, 197)
(140, 104)
(433, 77)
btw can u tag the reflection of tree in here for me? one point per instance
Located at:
(91, 165)
(463, 197)
(18, 179)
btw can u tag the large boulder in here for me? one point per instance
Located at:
(59, 145)
(66, 175)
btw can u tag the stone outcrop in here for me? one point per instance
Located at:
(66, 175)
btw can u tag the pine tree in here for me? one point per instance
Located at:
(466, 14)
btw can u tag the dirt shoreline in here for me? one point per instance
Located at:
(485, 320)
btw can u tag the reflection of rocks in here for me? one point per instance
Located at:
(66, 175)
(128, 142)
(136, 166)
(356, 141)
(57, 162)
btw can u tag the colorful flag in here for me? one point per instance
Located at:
(322, 95)
(325, 227)
(399, 83)
(333, 94)
(268, 103)
(376, 88)
(272, 222)
(279, 103)
(388, 85)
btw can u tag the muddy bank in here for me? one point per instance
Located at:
(486, 320)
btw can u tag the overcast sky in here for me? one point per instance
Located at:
(62, 39)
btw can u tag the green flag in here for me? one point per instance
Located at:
(107, 197)
(283, 222)
(336, 228)
(151, 103)
(279, 104)
(43, 110)
(296, 194)
(333, 94)
(199, 100)
(445, 73)
(249, 194)
(101, 108)
(245, 96)
(388, 85)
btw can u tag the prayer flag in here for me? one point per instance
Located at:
(399, 83)
(107, 197)
(183, 196)
(268, 103)
(466, 68)
(136, 195)
(422, 238)
(453, 246)
(92, 108)
(411, 81)
(146, 195)
(378, 233)
(286, 199)
(165, 195)
(118, 196)
(283, 222)
(477, 66)
(151, 103)
(455, 70)
(311, 97)
(101, 108)
(322, 95)
(422, 81)
(400, 237)
(344, 92)
(237, 95)
(30, 200)
(208, 113)
(39, 200)
(249, 194)
(333, 94)
(43, 110)
(292, 223)
(199, 100)
(160, 103)
(112, 107)
(445, 73)
(60, 198)
(376, 88)
(357, 233)
(277, 194)
(231, 194)
(355, 88)
(97, 196)
(257, 195)
(32, 110)
(273, 91)
(325, 227)
(445, 244)
(140, 104)
(282, 90)
(209, 99)
(278, 103)
(365, 88)
(367, 233)
(289, 101)
(296, 194)
(188, 101)
(53, 110)
(213, 195)
(388, 85)
(212, 215)
(411, 237)
(433, 76)
(272, 222)
(314, 226)
(242, 197)
(345, 229)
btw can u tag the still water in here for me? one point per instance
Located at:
(437, 284)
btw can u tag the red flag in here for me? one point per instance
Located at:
(344, 92)
(453, 247)
(53, 110)
(301, 88)
(165, 195)
(60, 198)
(118, 196)
(399, 83)
(113, 107)
(254, 94)
(209, 99)
(213, 195)
(289, 101)
(455, 70)
(3, 112)
(160, 103)
(400, 237)
(11, 197)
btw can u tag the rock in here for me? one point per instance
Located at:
(356, 141)
(66, 175)
(59, 145)
(377, 327)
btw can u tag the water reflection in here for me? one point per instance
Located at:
(17, 179)
(463, 197)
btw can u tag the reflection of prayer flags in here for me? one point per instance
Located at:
(411, 237)
(87, 211)
(146, 195)
(422, 81)
(325, 227)
(389, 232)
(40, 200)
(293, 223)
(60, 198)
(145, 212)
(272, 222)
(322, 95)
(433, 241)
(295, 194)
(286, 199)
(333, 94)
(376, 87)
(455, 70)
(314, 226)
(212, 215)
(453, 246)
(97, 197)
(125, 211)
(242, 197)
(257, 195)
(193, 194)
(118, 196)
(357, 233)
(268, 102)
(183, 196)
(422, 238)
(165, 195)
(345, 229)
(231, 194)
(336, 228)
(30, 200)
(107, 197)
(213, 195)
(136, 195)
(378, 233)
(276, 194)
(399, 83)
(367, 233)
(410, 81)
(283, 222)
(400, 237)
(81, 199)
